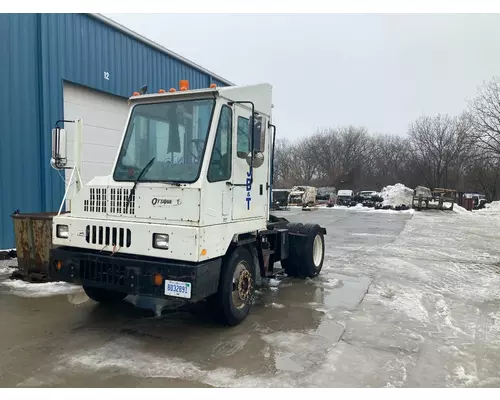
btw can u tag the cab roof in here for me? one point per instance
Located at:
(259, 94)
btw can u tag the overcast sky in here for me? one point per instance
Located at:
(377, 71)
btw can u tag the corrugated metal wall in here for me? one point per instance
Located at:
(20, 131)
(39, 52)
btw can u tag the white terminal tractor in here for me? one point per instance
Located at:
(185, 211)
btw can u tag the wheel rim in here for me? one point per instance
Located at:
(242, 285)
(317, 251)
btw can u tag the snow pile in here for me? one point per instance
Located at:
(460, 210)
(25, 289)
(397, 195)
(492, 208)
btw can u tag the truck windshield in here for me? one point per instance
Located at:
(174, 133)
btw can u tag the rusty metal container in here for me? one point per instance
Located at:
(33, 235)
(468, 203)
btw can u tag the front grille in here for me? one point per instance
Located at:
(96, 201)
(119, 200)
(108, 236)
(103, 273)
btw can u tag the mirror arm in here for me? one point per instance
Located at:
(63, 120)
(272, 152)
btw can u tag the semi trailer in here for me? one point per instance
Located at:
(185, 213)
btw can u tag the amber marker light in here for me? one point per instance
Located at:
(158, 279)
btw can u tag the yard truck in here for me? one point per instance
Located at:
(184, 213)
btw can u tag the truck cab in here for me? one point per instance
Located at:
(185, 212)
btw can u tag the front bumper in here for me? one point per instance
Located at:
(132, 274)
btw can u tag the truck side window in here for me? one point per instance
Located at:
(242, 141)
(220, 160)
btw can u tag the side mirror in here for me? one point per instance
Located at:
(258, 159)
(59, 148)
(257, 130)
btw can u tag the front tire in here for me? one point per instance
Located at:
(103, 296)
(233, 300)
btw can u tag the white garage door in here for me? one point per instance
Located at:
(104, 118)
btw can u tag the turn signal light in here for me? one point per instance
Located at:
(157, 279)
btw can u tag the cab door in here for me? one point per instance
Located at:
(249, 196)
(218, 199)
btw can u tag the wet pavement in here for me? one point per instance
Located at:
(404, 300)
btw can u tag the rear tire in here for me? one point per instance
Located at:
(233, 300)
(307, 253)
(104, 296)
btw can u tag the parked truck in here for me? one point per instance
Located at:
(185, 211)
(345, 197)
(304, 196)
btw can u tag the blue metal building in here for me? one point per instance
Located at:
(39, 53)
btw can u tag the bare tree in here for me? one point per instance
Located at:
(484, 176)
(485, 112)
(392, 160)
(440, 151)
(440, 146)
(283, 164)
(327, 148)
(305, 166)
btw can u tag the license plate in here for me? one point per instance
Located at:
(178, 289)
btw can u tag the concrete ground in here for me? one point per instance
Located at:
(404, 300)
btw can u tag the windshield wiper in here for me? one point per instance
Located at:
(146, 167)
(172, 183)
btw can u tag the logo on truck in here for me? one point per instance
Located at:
(249, 189)
(159, 201)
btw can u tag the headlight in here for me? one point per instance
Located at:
(160, 241)
(62, 231)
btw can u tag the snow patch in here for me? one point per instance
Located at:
(396, 195)
(5, 267)
(372, 234)
(273, 282)
(25, 289)
(360, 208)
(128, 356)
(405, 300)
(332, 283)
(5, 270)
(466, 379)
(444, 313)
(275, 305)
